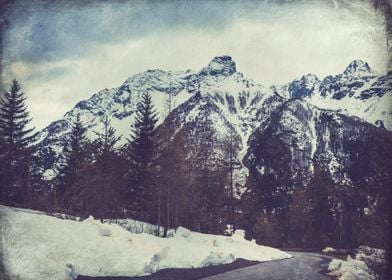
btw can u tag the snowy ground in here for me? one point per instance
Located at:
(36, 246)
(130, 225)
(358, 268)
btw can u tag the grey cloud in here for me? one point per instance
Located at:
(38, 31)
(48, 74)
(43, 30)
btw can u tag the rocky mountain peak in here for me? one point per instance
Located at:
(310, 78)
(304, 86)
(220, 65)
(358, 68)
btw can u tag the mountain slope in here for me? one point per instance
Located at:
(299, 136)
(240, 107)
(358, 91)
(231, 101)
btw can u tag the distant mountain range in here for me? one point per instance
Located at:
(358, 91)
(340, 122)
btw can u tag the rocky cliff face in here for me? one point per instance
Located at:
(298, 136)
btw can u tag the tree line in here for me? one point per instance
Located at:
(158, 176)
(319, 214)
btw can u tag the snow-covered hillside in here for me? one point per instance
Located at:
(233, 103)
(297, 137)
(358, 91)
(36, 246)
(227, 98)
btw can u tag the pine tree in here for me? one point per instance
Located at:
(16, 147)
(167, 162)
(107, 180)
(140, 152)
(75, 158)
(106, 141)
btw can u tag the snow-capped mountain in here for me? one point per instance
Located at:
(299, 88)
(358, 91)
(283, 118)
(229, 99)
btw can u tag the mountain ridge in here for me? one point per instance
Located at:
(231, 101)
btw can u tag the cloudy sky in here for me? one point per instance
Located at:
(65, 51)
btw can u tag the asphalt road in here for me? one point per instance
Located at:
(181, 273)
(303, 266)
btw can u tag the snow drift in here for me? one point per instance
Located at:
(351, 269)
(36, 246)
(362, 267)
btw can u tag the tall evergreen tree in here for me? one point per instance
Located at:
(75, 157)
(16, 147)
(140, 152)
(106, 141)
(107, 180)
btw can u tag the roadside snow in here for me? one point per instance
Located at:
(329, 250)
(352, 269)
(36, 246)
(130, 225)
(362, 267)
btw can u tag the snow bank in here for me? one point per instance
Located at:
(329, 250)
(351, 269)
(36, 246)
(131, 225)
(359, 267)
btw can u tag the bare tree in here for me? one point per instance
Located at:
(231, 147)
